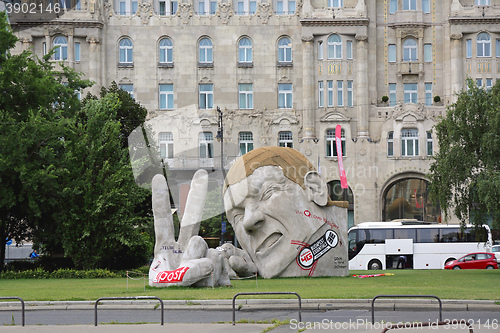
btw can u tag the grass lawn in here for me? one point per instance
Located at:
(446, 284)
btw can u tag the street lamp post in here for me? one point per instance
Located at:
(220, 138)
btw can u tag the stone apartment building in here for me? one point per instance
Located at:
(287, 72)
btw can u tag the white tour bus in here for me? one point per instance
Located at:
(378, 245)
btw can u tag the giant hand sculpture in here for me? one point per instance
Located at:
(187, 261)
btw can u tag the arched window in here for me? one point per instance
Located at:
(166, 51)
(337, 193)
(409, 142)
(126, 48)
(206, 51)
(410, 50)
(285, 50)
(245, 50)
(483, 45)
(166, 141)
(409, 199)
(334, 47)
(61, 51)
(331, 146)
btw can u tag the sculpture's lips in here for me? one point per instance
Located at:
(269, 242)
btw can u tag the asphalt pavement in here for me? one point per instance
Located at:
(244, 304)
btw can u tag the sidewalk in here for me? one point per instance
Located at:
(241, 304)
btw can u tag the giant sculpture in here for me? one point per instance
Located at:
(280, 211)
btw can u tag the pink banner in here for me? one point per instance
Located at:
(338, 141)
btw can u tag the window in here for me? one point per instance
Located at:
(489, 84)
(350, 102)
(246, 142)
(128, 88)
(285, 50)
(331, 147)
(468, 48)
(245, 50)
(392, 94)
(285, 7)
(498, 48)
(335, 3)
(410, 91)
(166, 96)
(390, 144)
(61, 51)
(168, 7)
(246, 7)
(245, 95)
(126, 49)
(426, 6)
(77, 52)
(334, 47)
(65, 4)
(205, 48)
(429, 144)
(330, 93)
(285, 96)
(285, 139)
(166, 51)
(321, 92)
(428, 93)
(349, 49)
(409, 142)
(206, 7)
(340, 93)
(483, 2)
(479, 83)
(393, 6)
(166, 142)
(392, 53)
(410, 50)
(409, 4)
(127, 7)
(427, 52)
(206, 145)
(78, 5)
(206, 96)
(483, 45)
(320, 49)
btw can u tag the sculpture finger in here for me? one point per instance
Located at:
(162, 212)
(195, 204)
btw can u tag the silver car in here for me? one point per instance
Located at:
(496, 250)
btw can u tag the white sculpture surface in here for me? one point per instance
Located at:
(280, 211)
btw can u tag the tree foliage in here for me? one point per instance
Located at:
(65, 177)
(465, 176)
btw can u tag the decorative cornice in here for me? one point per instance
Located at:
(73, 24)
(474, 20)
(313, 22)
(334, 116)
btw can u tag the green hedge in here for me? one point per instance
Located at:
(62, 273)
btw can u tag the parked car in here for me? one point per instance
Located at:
(478, 260)
(496, 250)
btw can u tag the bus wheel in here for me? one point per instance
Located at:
(374, 265)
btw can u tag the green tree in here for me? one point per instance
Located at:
(100, 224)
(465, 176)
(35, 101)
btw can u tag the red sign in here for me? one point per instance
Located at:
(171, 276)
(343, 178)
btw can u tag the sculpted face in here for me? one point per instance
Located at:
(266, 212)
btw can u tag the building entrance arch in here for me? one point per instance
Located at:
(407, 197)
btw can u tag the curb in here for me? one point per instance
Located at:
(260, 304)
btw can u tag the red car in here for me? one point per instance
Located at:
(478, 260)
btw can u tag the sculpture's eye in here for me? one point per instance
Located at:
(237, 218)
(269, 192)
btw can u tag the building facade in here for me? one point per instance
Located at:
(287, 72)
